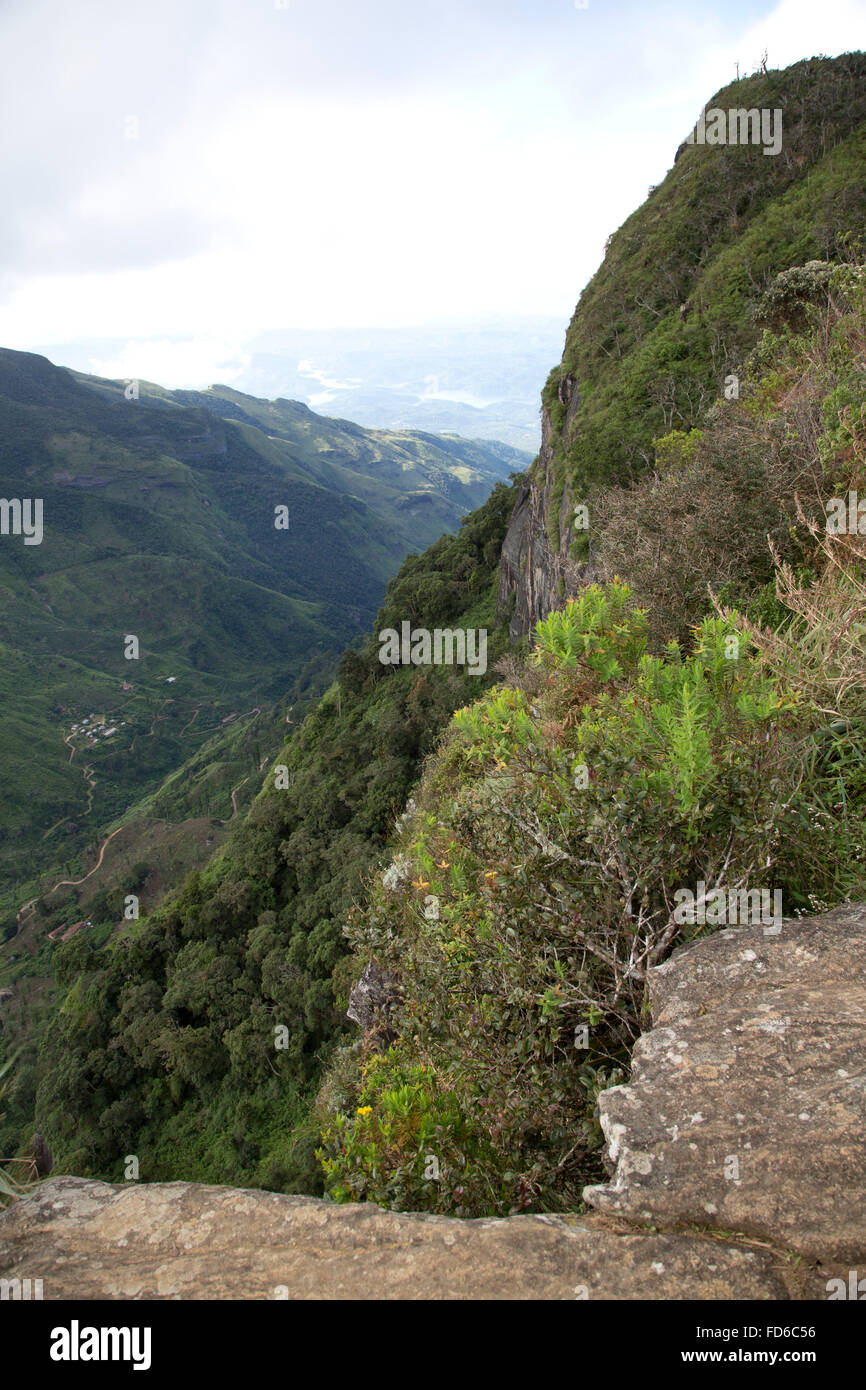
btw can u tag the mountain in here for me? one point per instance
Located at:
(160, 523)
(483, 869)
(669, 315)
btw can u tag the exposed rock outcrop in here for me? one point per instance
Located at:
(371, 1003)
(536, 573)
(746, 1108)
(740, 1141)
(89, 1240)
(535, 576)
(42, 1155)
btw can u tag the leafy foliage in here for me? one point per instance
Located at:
(164, 1039)
(563, 815)
(671, 312)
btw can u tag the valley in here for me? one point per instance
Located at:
(160, 543)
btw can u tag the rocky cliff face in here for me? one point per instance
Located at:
(671, 310)
(737, 1153)
(536, 574)
(746, 1108)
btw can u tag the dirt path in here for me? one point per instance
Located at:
(74, 882)
(91, 783)
(235, 790)
(192, 721)
(64, 882)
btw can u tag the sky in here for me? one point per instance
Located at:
(182, 176)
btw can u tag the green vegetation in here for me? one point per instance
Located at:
(561, 817)
(163, 1042)
(159, 521)
(10, 1187)
(762, 468)
(510, 857)
(671, 311)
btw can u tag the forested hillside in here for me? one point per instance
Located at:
(162, 521)
(161, 1044)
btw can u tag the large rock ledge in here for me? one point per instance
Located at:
(88, 1239)
(740, 1141)
(746, 1108)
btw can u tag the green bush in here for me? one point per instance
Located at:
(542, 887)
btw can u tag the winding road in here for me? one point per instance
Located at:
(66, 882)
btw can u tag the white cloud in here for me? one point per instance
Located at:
(186, 363)
(333, 165)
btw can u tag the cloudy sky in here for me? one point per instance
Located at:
(182, 175)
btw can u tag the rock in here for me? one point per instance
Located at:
(95, 1240)
(536, 576)
(372, 1001)
(740, 1142)
(42, 1155)
(746, 1108)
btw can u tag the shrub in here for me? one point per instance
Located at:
(544, 889)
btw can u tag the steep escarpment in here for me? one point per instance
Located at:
(164, 1039)
(660, 746)
(670, 314)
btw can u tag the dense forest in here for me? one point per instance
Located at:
(164, 1043)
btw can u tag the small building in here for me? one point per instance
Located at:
(73, 930)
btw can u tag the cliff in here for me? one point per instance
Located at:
(736, 1152)
(670, 313)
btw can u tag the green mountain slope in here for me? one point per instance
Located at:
(670, 314)
(255, 941)
(421, 483)
(671, 310)
(613, 801)
(159, 521)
